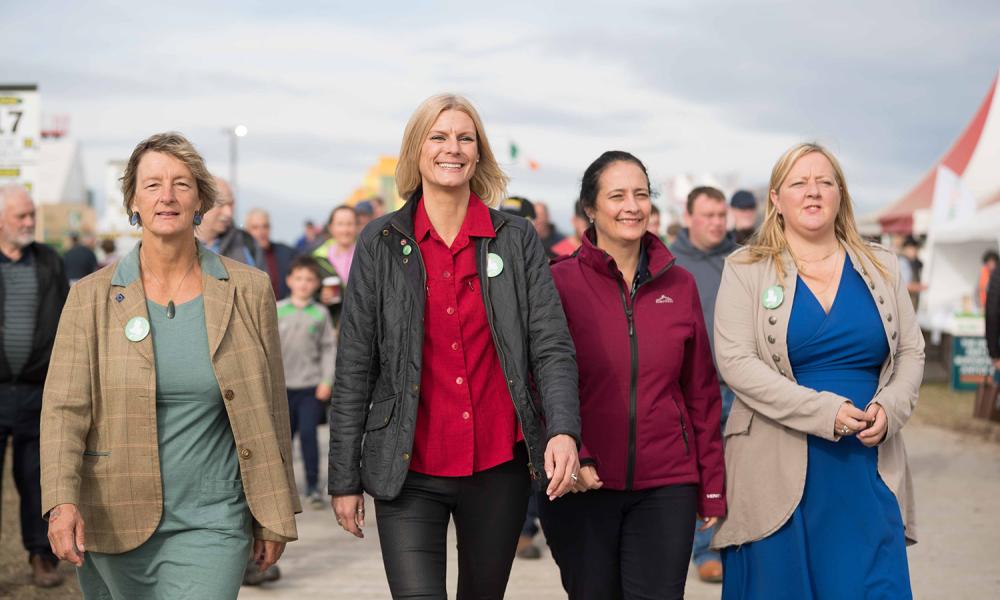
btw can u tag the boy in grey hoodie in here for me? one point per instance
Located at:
(308, 351)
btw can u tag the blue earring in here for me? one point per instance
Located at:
(134, 219)
(197, 217)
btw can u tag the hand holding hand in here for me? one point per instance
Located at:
(850, 420)
(350, 512)
(588, 480)
(874, 433)
(66, 533)
(561, 465)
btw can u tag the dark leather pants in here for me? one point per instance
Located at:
(488, 508)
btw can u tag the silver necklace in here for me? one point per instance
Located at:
(171, 308)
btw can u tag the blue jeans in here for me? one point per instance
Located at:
(305, 412)
(701, 553)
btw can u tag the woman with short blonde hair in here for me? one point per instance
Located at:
(815, 334)
(165, 444)
(455, 384)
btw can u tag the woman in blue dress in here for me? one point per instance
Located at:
(816, 335)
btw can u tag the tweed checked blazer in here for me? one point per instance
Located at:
(99, 446)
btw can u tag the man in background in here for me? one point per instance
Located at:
(744, 210)
(702, 249)
(547, 232)
(911, 269)
(277, 256)
(80, 259)
(33, 289)
(220, 235)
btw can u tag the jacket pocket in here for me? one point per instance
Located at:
(380, 413)
(738, 422)
(95, 453)
(683, 424)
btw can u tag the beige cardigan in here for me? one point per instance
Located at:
(766, 433)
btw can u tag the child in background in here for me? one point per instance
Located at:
(308, 349)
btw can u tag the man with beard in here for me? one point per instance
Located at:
(33, 289)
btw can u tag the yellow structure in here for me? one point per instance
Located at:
(379, 181)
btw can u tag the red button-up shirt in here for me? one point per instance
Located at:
(465, 421)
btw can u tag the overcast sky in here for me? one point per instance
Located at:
(689, 87)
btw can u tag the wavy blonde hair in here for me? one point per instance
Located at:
(489, 182)
(769, 242)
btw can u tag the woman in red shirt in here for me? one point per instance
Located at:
(450, 320)
(651, 451)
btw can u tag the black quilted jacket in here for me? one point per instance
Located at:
(377, 384)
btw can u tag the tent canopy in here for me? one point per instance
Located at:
(973, 157)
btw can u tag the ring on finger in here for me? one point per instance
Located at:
(844, 429)
(574, 477)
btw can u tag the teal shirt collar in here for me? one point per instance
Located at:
(127, 270)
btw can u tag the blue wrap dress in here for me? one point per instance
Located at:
(845, 539)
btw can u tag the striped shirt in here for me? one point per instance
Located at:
(20, 305)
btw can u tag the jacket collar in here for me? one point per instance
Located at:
(127, 269)
(404, 218)
(658, 256)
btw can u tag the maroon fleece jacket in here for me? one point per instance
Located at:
(649, 396)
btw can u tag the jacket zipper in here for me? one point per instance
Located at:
(423, 281)
(533, 473)
(634, 371)
(633, 381)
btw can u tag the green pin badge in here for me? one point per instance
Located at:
(494, 265)
(137, 329)
(407, 249)
(773, 297)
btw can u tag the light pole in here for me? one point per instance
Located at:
(234, 133)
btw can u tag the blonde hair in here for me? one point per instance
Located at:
(488, 181)
(179, 147)
(769, 242)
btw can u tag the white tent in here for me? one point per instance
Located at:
(954, 259)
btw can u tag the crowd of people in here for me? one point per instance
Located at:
(728, 396)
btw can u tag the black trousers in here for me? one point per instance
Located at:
(612, 545)
(20, 416)
(488, 508)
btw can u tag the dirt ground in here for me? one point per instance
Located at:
(956, 464)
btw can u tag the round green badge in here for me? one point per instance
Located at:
(494, 265)
(773, 297)
(407, 249)
(137, 329)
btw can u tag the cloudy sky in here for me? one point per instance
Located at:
(689, 87)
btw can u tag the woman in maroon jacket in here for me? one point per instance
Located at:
(651, 451)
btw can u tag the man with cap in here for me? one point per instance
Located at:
(743, 207)
(526, 548)
(365, 210)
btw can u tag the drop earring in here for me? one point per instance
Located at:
(134, 219)
(197, 218)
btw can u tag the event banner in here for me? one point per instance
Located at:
(20, 134)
